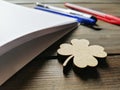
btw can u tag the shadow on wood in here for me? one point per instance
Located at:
(102, 63)
(86, 73)
(68, 67)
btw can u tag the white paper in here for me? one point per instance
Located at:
(20, 29)
(17, 21)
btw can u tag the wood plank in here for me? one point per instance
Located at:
(62, 1)
(48, 75)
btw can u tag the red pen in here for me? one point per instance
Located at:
(101, 16)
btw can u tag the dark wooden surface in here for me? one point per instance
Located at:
(47, 73)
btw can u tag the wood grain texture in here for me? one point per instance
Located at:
(46, 73)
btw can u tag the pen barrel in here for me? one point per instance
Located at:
(112, 17)
(80, 19)
(68, 11)
(83, 9)
(81, 14)
(99, 15)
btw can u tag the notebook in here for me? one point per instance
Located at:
(25, 33)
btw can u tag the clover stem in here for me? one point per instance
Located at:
(66, 61)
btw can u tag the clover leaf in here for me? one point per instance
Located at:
(83, 55)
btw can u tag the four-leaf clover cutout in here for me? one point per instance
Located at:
(83, 55)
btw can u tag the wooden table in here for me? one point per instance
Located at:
(47, 73)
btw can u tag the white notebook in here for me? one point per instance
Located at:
(25, 33)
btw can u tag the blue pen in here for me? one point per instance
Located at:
(70, 11)
(80, 19)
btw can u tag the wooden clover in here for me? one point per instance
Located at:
(82, 54)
